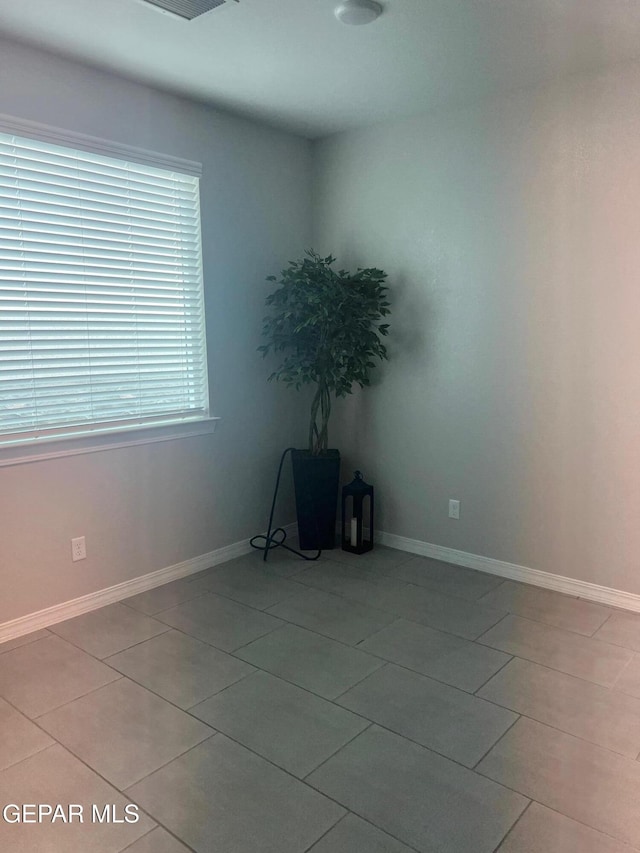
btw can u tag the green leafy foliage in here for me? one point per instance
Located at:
(326, 325)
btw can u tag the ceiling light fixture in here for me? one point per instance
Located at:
(358, 11)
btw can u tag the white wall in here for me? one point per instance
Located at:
(511, 234)
(148, 507)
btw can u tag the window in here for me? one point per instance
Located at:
(101, 298)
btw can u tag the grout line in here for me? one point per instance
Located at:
(521, 656)
(162, 609)
(619, 841)
(31, 754)
(493, 675)
(334, 753)
(123, 791)
(595, 631)
(551, 725)
(190, 710)
(434, 587)
(375, 633)
(478, 639)
(153, 829)
(495, 743)
(306, 588)
(501, 582)
(409, 618)
(134, 646)
(435, 659)
(591, 743)
(380, 829)
(614, 688)
(351, 813)
(199, 701)
(74, 699)
(234, 652)
(309, 849)
(522, 716)
(513, 826)
(46, 631)
(288, 624)
(265, 609)
(383, 665)
(103, 660)
(431, 749)
(284, 678)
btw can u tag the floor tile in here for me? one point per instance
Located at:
(583, 657)
(9, 645)
(587, 783)
(354, 835)
(179, 668)
(19, 737)
(108, 630)
(54, 776)
(123, 731)
(579, 707)
(291, 727)
(219, 796)
(250, 584)
(622, 629)
(219, 621)
(157, 841)
(444, 657)
(419, 797)
(466, 619)
(168, 595)
(43, 675)
(309, 660)
(331, 615)
(444, 578)
(541, 830)
(548, 606)
(444, 719)
(629, 680)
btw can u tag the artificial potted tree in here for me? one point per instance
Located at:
(326, 326)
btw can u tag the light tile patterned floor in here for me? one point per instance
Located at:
(377, 704)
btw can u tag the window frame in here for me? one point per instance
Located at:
(89, 438)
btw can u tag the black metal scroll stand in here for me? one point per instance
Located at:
(270, 540)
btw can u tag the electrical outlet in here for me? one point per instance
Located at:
(78, 549)
(454, 509)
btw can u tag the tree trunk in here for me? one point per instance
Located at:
(320, 410)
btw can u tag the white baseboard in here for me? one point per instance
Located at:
(512, 571)
(93, 600)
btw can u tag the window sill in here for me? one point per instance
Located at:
(37, 450)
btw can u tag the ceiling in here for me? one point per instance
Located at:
(292, 64)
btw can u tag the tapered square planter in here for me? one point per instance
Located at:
(316, 480)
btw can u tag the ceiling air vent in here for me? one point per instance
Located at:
(188, 9)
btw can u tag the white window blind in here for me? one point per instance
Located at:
(101, 302)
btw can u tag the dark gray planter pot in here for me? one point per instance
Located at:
(316, 480)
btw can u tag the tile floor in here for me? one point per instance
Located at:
(377, 704)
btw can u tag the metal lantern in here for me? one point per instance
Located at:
(357, 516)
